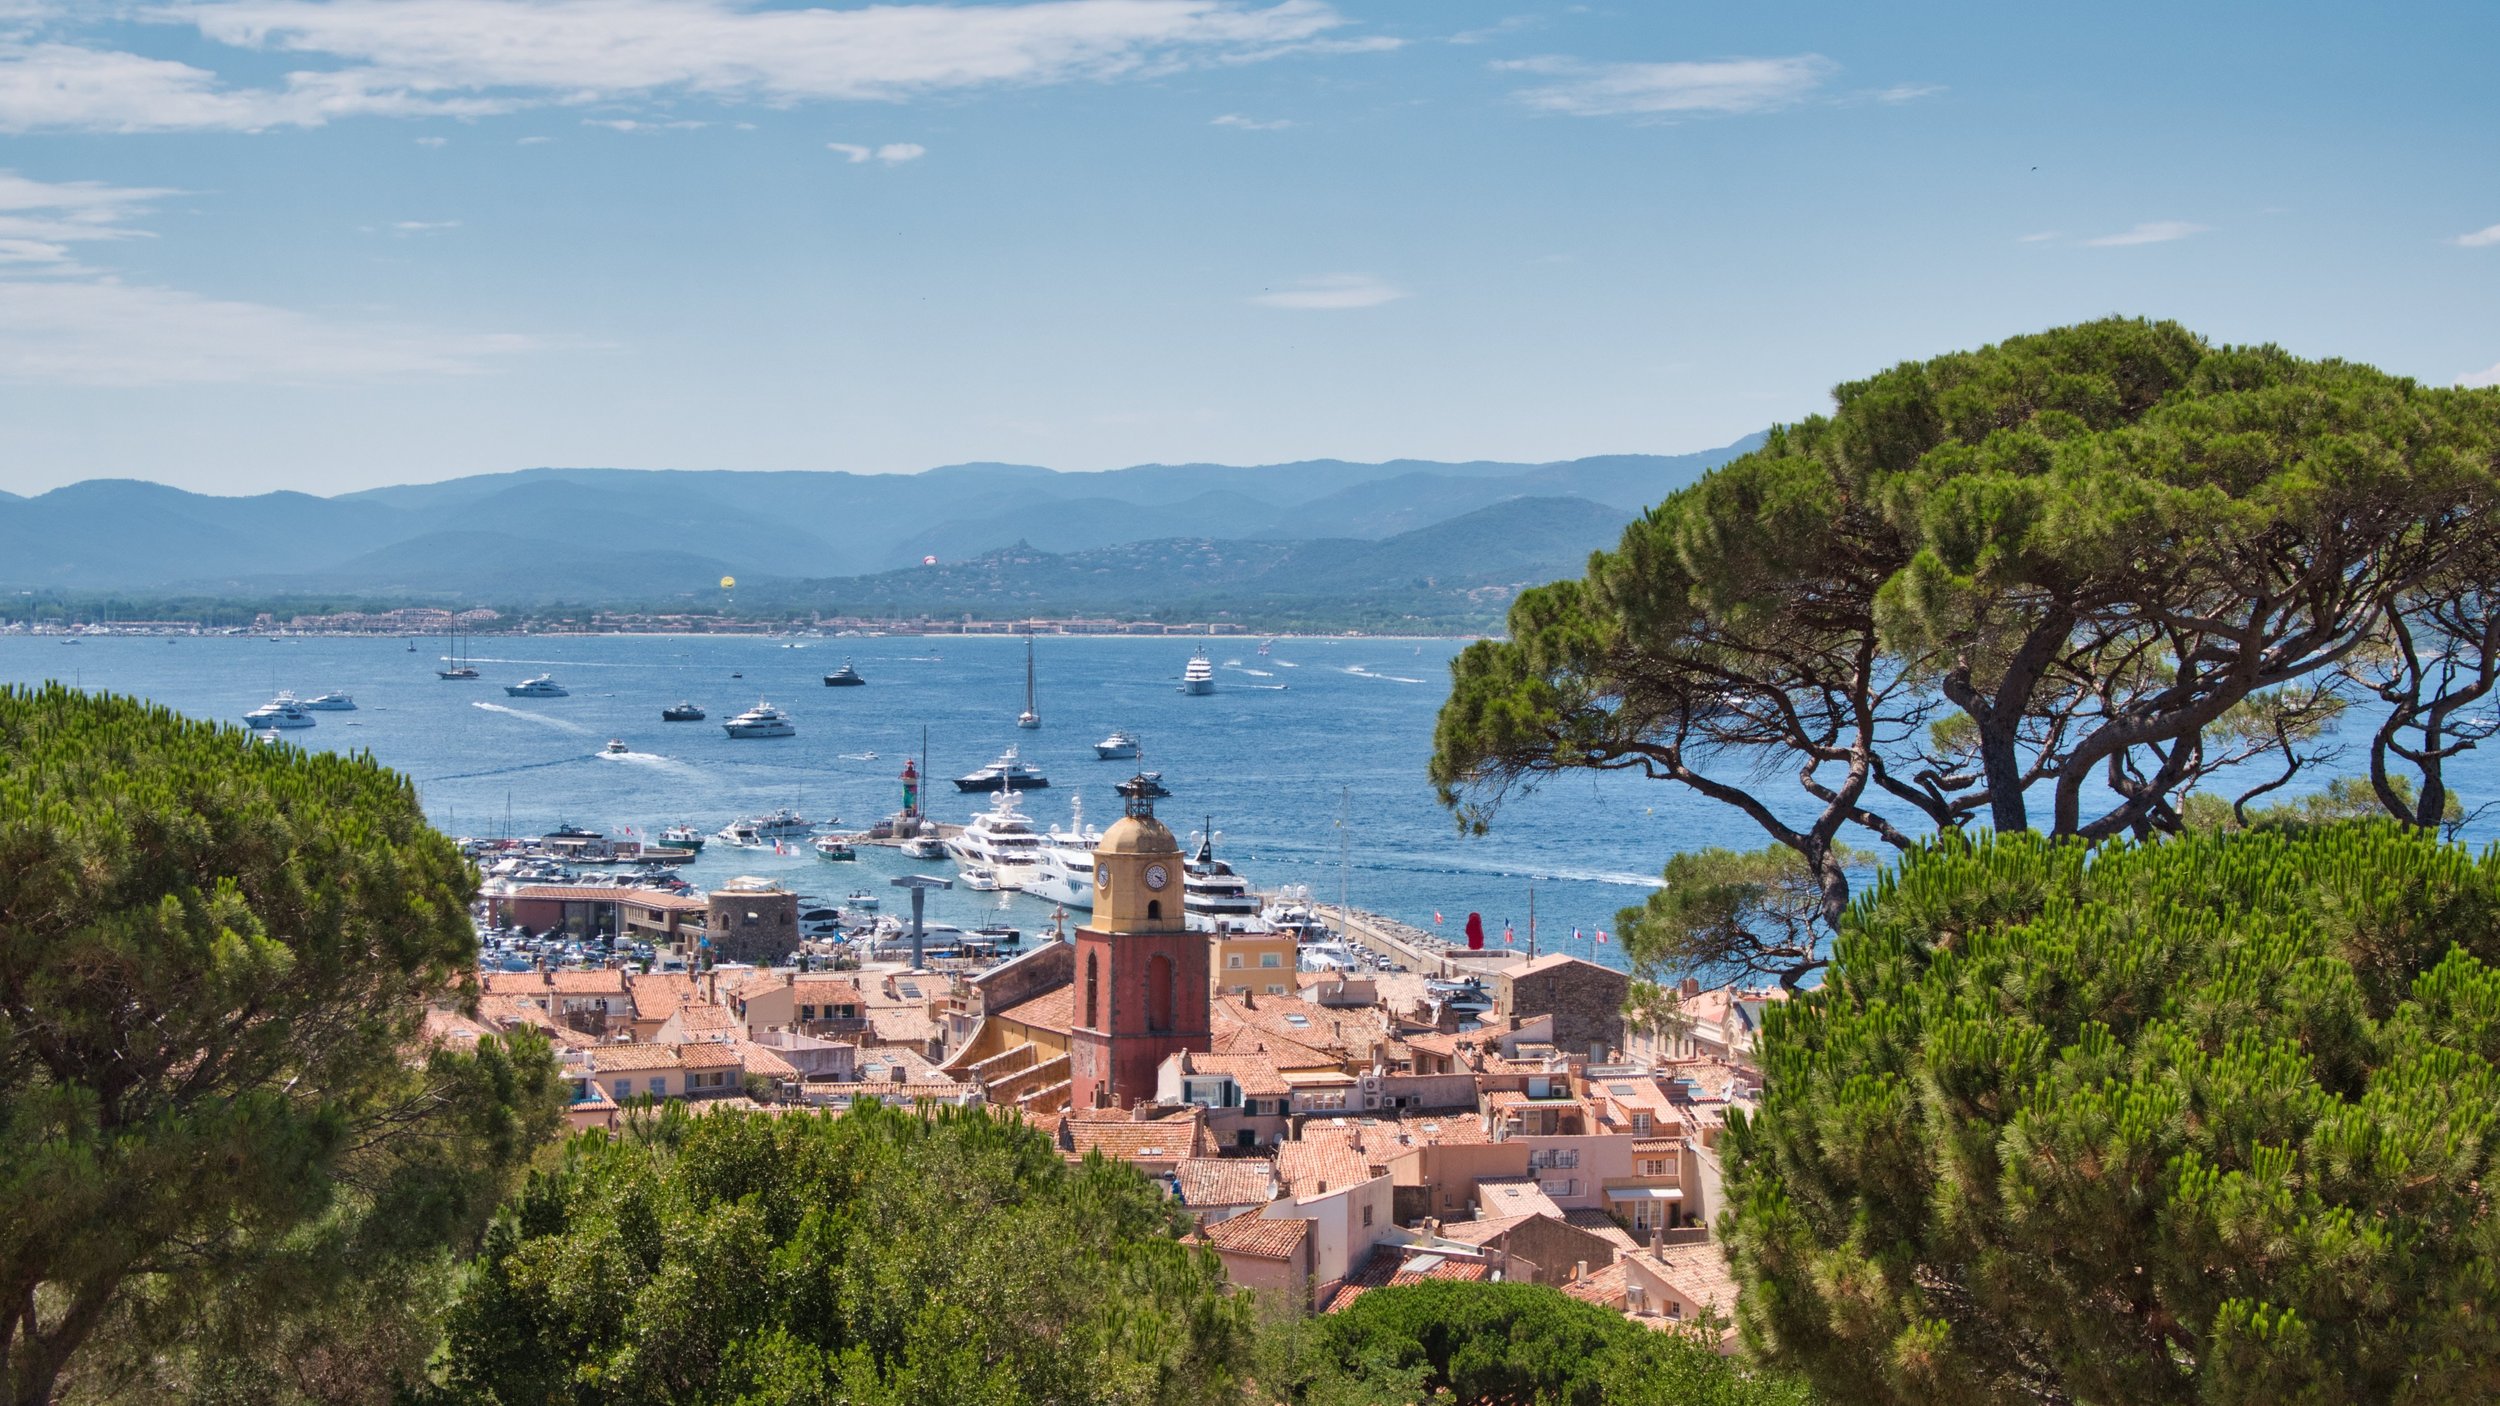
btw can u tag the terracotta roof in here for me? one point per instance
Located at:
(657, 994)
(1389, 1266)
(901, 1026)
(1252, 1234)
(1698, 1272)
(1555, 961)
(1602, 1287)
(1256, 1077)
(1342, 1031)
(1322, 1163)
(1225, 1181)
(824, 987)
(592, 893)
(707, 1054)
(1233, 1038)
(1479, 1232)
(451, 1027)
(628, 1058)
(1054, 1009)
(1603, 1226)
(1123, 1139)
(764, 1060)
(1515, 1196)
(703, 1016)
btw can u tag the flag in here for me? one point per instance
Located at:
(1575, 934)
(1507, 939)
(1601, 934)
(1436, 917)
(1475, 932)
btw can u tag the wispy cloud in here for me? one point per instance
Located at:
(433, 141)
(1333, 292)
(475, 57)
(422, 226)
(2150, 232)
(2489, 376)
(40, 220)
(1251, 124)
(2037, 237)
(2483, 238)
(892, 153)
(632, 124)
(1907, 92)
(1508, 24)
(1584, 89)
(533, 141)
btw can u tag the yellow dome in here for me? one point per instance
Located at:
(1138, 835)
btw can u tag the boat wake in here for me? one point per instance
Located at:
(1360, 672)
(557, 723)
(652, 760)
(1254, 673)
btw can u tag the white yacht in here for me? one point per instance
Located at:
(979, 878)
(280, 712)
(1008, 773)
(544, 686)
(1001, 840)
(1213, 897)
(924, 847)
(332, 702)
(1065, 875)
(783, 824)
(1119, 746)
(1199, 677)
(762, 720)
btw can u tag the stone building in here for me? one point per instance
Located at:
(752, 920)
(1585, 999)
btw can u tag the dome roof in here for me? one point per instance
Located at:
(1138, 835)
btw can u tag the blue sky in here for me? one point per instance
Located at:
(325, 244)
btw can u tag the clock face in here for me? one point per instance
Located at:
(1155, 876)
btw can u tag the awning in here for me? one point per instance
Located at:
(1644, 1193)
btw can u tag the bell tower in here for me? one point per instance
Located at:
(1141, 974)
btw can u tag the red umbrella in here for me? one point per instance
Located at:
(1475, 932)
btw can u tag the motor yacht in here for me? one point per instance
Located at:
(1008, 773)
(1121, 745)
(616, 747)
(979, 878)
(836, 847)
(543, 686)
(1001, 840)
(924, 847)
(844, 677)
(861, 900)
(1065, 874)
(281, 712)
(682, 713)
(682, 837)
(1213, 897)
(762, 720)
(1199, 677)
(783, 824)
(332, 702)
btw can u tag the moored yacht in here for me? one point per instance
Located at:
(1001, 840)
(844, 677)
(280, 712)
(836, 847)
(543, 686)
(1199, 677)
(682, 837)
(1065, 872)
(1213, 897)
(1008, 773)
(682, 713)
(332, 702)
(783, 824)
(1119, 746)
(762, 720)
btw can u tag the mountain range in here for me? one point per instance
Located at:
(1408, 537)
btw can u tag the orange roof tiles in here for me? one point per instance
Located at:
(1389, 1266)
(1322, 1162)
(1252, 1234)
(1054, 1009)
(1226, 1181)
(628, 1058)
(1254, 1074)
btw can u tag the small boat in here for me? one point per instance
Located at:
(862, 899)
(1199, 677)
(412, 646)
(924, 847)
(543, 686)
(279, 712)
(1120, 745)
(762, 720)
(1144, 786)
(835, 847)
(332, 702)
(682, 713)
(684, 837)
(1008, 773)
(844, 677)
(1028, 719)
(617, 747)
(783, 824)
(979, 879)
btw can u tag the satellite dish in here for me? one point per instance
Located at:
(729, 583)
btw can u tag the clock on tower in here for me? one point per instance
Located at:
(1141, 974)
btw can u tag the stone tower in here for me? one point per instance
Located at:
(1141, 974)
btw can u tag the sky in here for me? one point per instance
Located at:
(328, 244)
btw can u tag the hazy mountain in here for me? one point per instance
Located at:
(625, 536)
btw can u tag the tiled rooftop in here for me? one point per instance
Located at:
(1250, 1234)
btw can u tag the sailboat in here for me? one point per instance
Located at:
(459, 658)
(1028, 719)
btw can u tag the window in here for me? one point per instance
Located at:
(1640, 1123)
(1154, 909)
(1275, 989)
(1543, 1158)
(1649, 1215)
(624, 1089)
(1653, 1166)
(1367, 1215)
(1271, 959)
(1093, 990)
(807, 1012)
(1567, 1186)
(1232, 961)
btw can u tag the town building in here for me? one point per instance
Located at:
(1142, 990)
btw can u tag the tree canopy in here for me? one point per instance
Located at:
(2210, 1119)
(882, 1256)
(215, 958)
(2054, 584)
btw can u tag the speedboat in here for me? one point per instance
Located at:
(682, 837)
(1144, 786)
(1213, 897)
(1065, 873)
(682, 713)
(1000, 840)
(924, 847)
(617, 747)
(783, 824)
(835, 847)
(980, 878)
(861, 899)
(332, 702)
(544, 686)
(844, 677)
(1120, 745)
(762, 720)
(1008, 773)
(280, 712)
(1199, 677)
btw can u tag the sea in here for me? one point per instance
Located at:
(1308, 762)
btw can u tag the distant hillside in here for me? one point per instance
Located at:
(652, 537)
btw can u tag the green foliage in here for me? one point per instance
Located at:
(1505, 1344)
(2055, 584)
(214, 958)
(2206, 1119)
(1729, 916)
(878, 1257)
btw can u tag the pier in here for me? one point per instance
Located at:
(1419, 950)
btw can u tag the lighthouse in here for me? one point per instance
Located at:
(911, 789)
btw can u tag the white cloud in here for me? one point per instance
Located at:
(1583, 89)
(422, 226)
(1252, 124)
(1334, 292)
(2150, 232)
(2482, 238)
(628, 124)
(2489, 376)
(1907, 92)
(533, 141)
(467, 58)
(1497, 29)
(41, 219)
(102, 332)
(432, 141)
(892, 153)
(2038, 237)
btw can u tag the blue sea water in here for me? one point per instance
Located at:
(1309, 760)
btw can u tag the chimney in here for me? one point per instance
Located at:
(1657, 1238)
(1246, 1002)
(1579, 1270)
(1689, 987)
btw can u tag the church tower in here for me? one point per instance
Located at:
(1141, 974)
